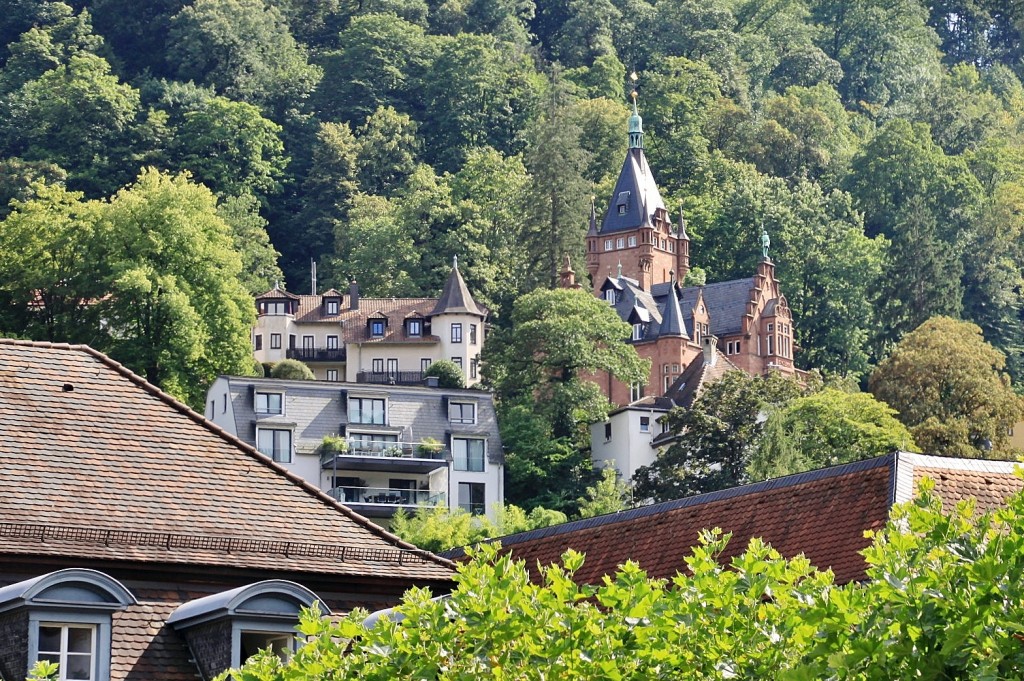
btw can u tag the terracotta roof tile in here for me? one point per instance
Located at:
(97, 463)
(822, 514)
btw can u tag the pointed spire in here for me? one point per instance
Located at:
(593, 217)
(456, 298)
(672, 315)
(682, 224)
(636, 124)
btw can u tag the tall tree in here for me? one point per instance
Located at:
(949, 388)
(388, 150)
(717, 437)
(541, 370)
(176, 310)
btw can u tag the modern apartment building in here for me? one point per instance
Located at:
(345, 337)
(373, 447)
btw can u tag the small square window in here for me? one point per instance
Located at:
(620, 243)
(645, 424)
(472, 497)
(456, 333)
(332, 307)
(367, 410)
(632, 241)
(332, 374)
(462, 412)
(457, 361)
(608, 244)
(377, 327)
(275, 341)
(622, 209)
(72, 646)
(275, 443)
(414, 327)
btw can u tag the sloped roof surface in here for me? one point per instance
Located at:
(637, 186)
(99, 464)
(456, 298)
(726, 302)
(695, 378)
(822, 514)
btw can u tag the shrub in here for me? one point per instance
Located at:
(449, 375)
(292, 370)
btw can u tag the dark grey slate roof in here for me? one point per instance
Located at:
(726, 302)
(456, 297)
(672, 317)
(637, 190)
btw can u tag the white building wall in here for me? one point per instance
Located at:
(629, 447)
(465, 351)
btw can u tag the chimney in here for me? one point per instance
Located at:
(710, 347)
(353, 295)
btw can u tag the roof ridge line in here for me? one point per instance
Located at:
(695, 500)
(233, 440)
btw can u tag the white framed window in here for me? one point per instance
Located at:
(632, 241)
(645, 424)
(425, 363)
(268, 403)
(72, 646)
(371, 410)
(392, 366)
(638, 332)
(608, 242)
(277, 308)
(377, 327)
(622, 209)
(377, 365)
(771, 345)
(332, 374)
(609, 296)
(620, 243)
(252, 642)
(771, 328)
(275, 341)
(462, 412)
(332, 307)
(414, 327)
(275, 443)
(332, 342)
(456, 333)
(636, 391)
(468, 454)
(457, 361)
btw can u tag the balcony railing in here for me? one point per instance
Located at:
(388, 496)
(316, 354)
(390, 377)
(385, 450)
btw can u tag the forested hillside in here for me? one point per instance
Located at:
(878, 141)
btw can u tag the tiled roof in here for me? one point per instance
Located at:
(695, 378)
(98, 464)
(726, 302)
(456, 298)
(143, 647)
(822, 514)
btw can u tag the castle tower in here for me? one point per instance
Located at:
(636, 229)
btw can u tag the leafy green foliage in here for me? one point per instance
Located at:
(607, 495)
(941, 601)
(292, 370)
(449, 375)
(948, 386)
(438, 528)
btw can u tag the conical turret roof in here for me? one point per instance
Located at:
(456, 298)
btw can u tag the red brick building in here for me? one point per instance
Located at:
(637, 258)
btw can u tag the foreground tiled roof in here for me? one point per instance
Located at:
(822, 514)
(98, 464)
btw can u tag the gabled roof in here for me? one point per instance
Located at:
(822, 514)
(637, 190)
(277, 293)
(99, 464)
(726, 302)
(689, 385)
(456, 298)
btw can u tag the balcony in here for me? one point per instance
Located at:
(382, 502)
(390, 377)
(316, 354)
(391, 457)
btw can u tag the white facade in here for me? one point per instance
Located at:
(405, 446)
(626, 437)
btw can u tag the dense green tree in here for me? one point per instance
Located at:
(448, 374)
(175, 308)
(716, 438)
(375, 249)
(231, 148)
(137, 32)
(380, 63)
(540, 370)
(610, 494)
(249, 235)
(948, 386)
(292, 370)
(826, 428)
(18, 177)
(586, 33)
(243, 48)
(48, 46)
(78, 116)
(437, 528)
(559, 189)
(602, 138)
(53, 266)
(388, 148)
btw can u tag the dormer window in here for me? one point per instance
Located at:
(609, 296)
(622, 203)
(638, 331)
(275, 308)
(414, 328)
(332, 306)
(377, 327)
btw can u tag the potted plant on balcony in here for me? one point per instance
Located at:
(334, 444)
(429, 448)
